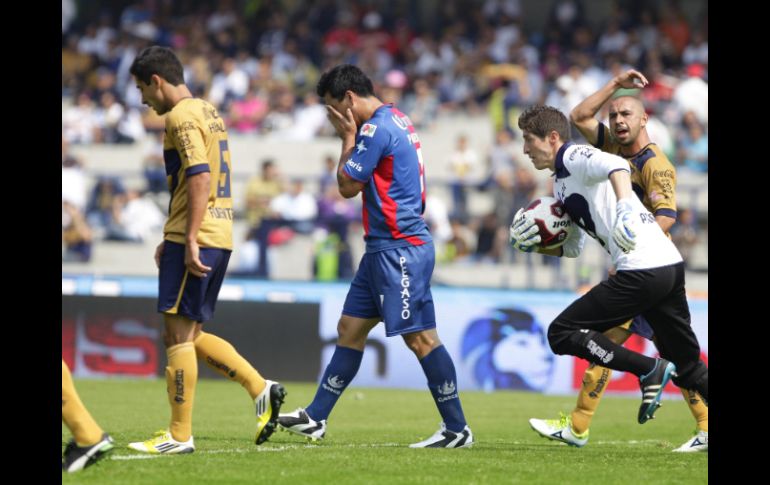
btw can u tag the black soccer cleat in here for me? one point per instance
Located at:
(652, 386)
(76, 457)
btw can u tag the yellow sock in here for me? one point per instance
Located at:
(225, 360)
(181, 376)
(595, 381)
(77, 418)
(699, 410)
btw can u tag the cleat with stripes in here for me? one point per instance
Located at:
(268, 404)
(298, 422)
(163, 443)
(443, 438)
(652, 386)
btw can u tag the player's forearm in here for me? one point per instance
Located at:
(198, 187)
(583, 115)
(621, 184)
(347, 186)
(665, 222)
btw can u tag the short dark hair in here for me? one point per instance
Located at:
(343, 78)
(541, 120)
(158, 60)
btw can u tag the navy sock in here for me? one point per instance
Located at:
(340, 371)
(442, 381)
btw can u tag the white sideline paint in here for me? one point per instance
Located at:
(262, 450)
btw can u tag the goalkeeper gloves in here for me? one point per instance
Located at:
(624, 233)
(524, 232)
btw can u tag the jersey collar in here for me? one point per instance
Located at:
(559, 169)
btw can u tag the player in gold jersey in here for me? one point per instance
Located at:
(196, 248)
(653, 179)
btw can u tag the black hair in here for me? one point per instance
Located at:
(342, 78)
(158, 60)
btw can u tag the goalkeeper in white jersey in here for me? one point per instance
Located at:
(595, 188)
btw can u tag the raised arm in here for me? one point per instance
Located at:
(583, 116)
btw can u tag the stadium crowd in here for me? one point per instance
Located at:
(258, 63)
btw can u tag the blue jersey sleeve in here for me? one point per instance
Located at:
(371, 146)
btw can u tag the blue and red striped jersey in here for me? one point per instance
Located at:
(387, 158)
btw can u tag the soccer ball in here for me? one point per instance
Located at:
(553, 223)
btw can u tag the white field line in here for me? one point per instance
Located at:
(262, 450)
(352, 445)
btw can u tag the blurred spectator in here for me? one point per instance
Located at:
(134, 218)
(99, 211)
(524, 187)
(692, 94)
(459, 247)
(693, 150)
(154, 168)
(260, 190)
(80, 122)
(422, 105)
(333, 259)
(73, 180)
(296, 206)
(564, 17)
(76, 235)
(436, 216)
(674, 27)
(463, 163)
(308, 120)
(697, 51)
(246, 114)
(229, 85)
(329, 174)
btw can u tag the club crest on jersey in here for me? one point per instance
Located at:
(368, 130)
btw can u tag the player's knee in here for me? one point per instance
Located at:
(558, 337)
(350, 335)
(420, 343)
(167, 341)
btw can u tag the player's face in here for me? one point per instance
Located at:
(627, 118)
(151, 95)
(341, 105)
(539, 150)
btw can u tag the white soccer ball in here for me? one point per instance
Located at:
(553, 223)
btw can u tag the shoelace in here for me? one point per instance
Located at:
(158, 437)
(562, 422)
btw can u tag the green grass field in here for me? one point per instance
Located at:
(368, 436)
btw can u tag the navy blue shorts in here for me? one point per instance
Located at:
(394, 285)
(180, 293)
(640, 327)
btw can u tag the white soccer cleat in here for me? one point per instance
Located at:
(699, 442)
(559, 430)
(163, 443)
(443, 438)
(298, 422)
(268, 404)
